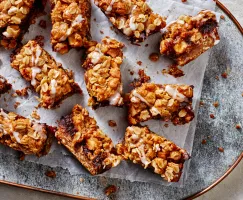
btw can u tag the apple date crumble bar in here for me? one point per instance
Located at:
(80, 134)
(134, 18)
(103, 76)
(70, 24)
(15, 18)
(166, 102)
(4, 85)
(47, 77)
(25, 135)
(188, 37)
(152, 151)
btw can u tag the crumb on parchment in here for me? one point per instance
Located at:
(110, 190)
(51, 174)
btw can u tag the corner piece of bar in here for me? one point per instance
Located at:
(134, 18)
(152, 151)
(188, 37)
(4, 85)
(48, 78)
(166, 102)
(103, 75)
(70, 24)
(25, 135)
(15, 18)
(80, 134)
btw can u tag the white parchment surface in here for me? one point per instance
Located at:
(181, 135)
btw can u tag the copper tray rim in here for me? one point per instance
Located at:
(203, 191)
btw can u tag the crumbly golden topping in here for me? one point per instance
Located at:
(22, 134)
(4, 85)
(134, 18)
(12, 15)
(71, 24)
(150, 150)
(188, 37)
(103, 76)
(81, 135)
(47, 77)
(166, 102)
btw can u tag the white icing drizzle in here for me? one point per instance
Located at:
(109, 8)
(175, 94)
(35, 71)
(156, 147)
(12, 10)
(133, 25)
(39, 130)
(77, 20)
(53, 86)
(95, 56)
(115, 99)
(134, 137)
(8, 35)
(134, 93)
(154, 111)
(34, 59)
(142, 155)
(16, 136)
(216, 41)
(69, 31)
(37, 54)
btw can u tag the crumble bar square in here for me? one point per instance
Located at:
(25, 135)
(134, 18)
(166, 102)
(188, 37)
(80, 134)
(70, 24)
(4, 85)
(47, 77)
(152, 151)
(103, 75)
(15, 18)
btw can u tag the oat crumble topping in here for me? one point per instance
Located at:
(150, 150)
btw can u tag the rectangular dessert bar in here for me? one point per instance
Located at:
(47, 77)
(25, 135)
(15, 18)
(134, 18)
(152, 151)
(80, 134)
(103, 76)
(166, 102)
(70, 24)
(4, 85)
(188, 37)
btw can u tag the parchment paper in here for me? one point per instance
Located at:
(181, 135)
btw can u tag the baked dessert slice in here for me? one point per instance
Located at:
(80, 134)
(134, 18)
(166, 102)
(4, 85)
(48, 78)
(188, 37)
(103, 75)
(70, 24)
(15, 18)
(143, 147)
(25, 135)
